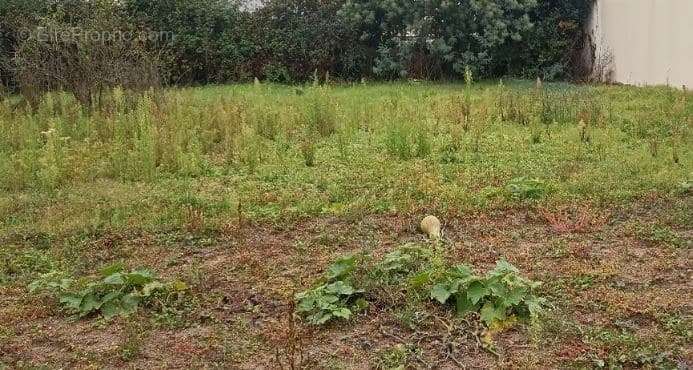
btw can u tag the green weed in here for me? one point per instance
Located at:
(500, 295)
(659, 235)
(395, 357)
(523, 188)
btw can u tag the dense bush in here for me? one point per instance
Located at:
(550, 48)
(217, 41)
(13, 15)
(438, 38)
(204, 41)
(296, 38)
(86, 49)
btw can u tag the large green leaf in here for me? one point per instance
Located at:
(505, 267)
(498, 288)
(71, 301)
(139, 277)
(340, 288)
(440, 293)
(463, 304)
(342, 312)
(89, 303)
(326, 301)
(476, 291)
(114, 279)
(111, 296)
(112, 269)
(320, 317)
(306, 304)
(341, 268)
(462, 271)
(515, 296)
(111, 308)
(491, 312)
(129, 303)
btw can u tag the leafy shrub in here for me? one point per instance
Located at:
(210, 41)
(115, 293)
(549, 49)
(497, 296)
(277, 73)
(302, 36)
(85, 67)
(216, 41)
(523, 188)
(412, 274)
(469, 36)
(335, 297)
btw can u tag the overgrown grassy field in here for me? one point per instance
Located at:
(239, 197)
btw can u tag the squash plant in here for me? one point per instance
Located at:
(497, 296)
(335, 297)
(115, 292)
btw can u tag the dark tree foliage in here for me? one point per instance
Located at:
(437, 38)
(19, 19)
(217, 41)
(551, 48)
(206, 40)
(296, 38)
(14, 14)
(85, 49)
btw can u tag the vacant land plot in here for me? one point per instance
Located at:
(235, 199)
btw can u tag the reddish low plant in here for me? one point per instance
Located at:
(568, 220)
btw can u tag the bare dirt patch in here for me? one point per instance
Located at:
(615, 298)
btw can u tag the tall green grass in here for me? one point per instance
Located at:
(336, 150)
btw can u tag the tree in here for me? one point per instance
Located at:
(85, 48)
(295, 38)
(209, 40)
(551, 48)
(15, 15)
(438, 38)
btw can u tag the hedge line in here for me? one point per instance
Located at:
(218, 41)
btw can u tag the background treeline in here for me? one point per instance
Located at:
(219, 41)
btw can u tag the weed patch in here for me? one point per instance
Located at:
(524, 188)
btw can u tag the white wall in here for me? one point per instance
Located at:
(651, 41)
